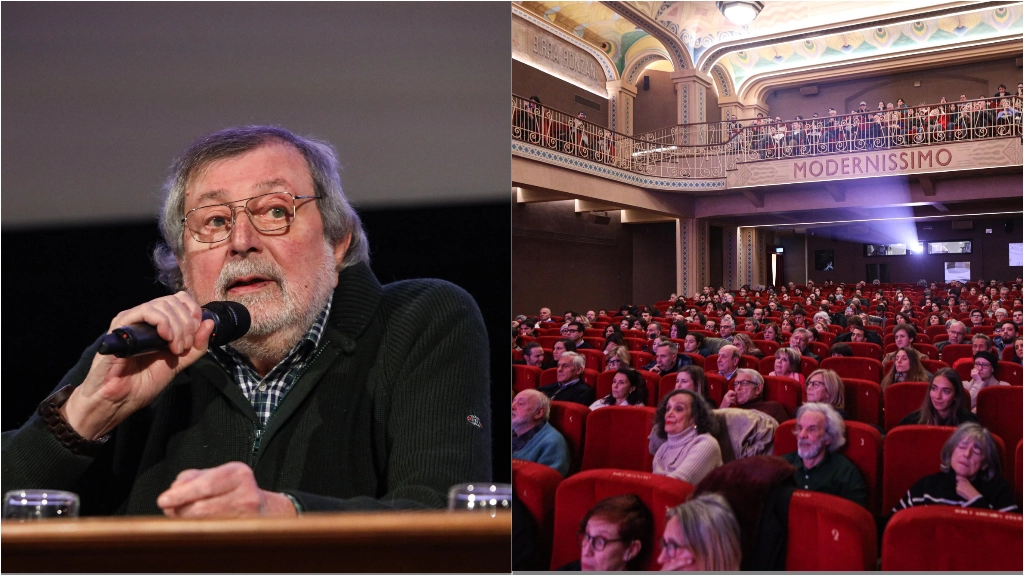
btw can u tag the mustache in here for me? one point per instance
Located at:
(246, 267)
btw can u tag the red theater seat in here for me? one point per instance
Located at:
(617, 437)
(929, 365)
(547, 341)
(821, 349)
(952, 539)
(901, 399)
(527, 377)
(635, 344)
(953, 352)
(829, 533)
(855, 367)
(785, 391)
(1011, 373)
(1001, 410)
(578, 494)
(717, 386)
(863, 400)
(570, 419)
(866, 350)
(640, 359)
(665, 385)
(535, 485)
(1018, 476)
(863, 447)
(766, 346)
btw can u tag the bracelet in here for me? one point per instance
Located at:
(49, 409)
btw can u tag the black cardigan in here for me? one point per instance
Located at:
(392, 410)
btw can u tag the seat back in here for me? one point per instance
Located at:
(666, 384)
(717, 387)
(819, 348)
(550, 376)
(863, 447)
(767, 346)
(911, 453)
(785, 391)
(901, 399)
(527, 377)
(807, 365)
(711, 364)
(570, 419)
(953, 352)
(547, 341)
(829, 533)
(1001, 410)
(578, 494)
(635, 344)
(1018, 475)
(1010, 372)
(863, 400)
(535, 485)
(866, 350)
(929, 365)
(952, 539)
(855, 367)
(640, 359)
(617, 437)
(927, 348)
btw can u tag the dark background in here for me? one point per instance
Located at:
(98, 99)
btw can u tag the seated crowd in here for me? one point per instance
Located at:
(724, 371)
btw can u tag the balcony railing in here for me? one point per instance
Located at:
(708, 150)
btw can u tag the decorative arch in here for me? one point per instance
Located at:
(679, 56)
(722, 81)
(641, 61)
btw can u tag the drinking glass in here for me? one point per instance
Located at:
(484, 497)
(33, 504)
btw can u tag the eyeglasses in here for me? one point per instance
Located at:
(815, 383)
(982, 365)
(597, 542)
(739, 383)
(267, 212)
(671, 548)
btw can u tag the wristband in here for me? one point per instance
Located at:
(49, 409)
(295, 502)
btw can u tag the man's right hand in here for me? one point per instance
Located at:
(117, 387)
(729, 399)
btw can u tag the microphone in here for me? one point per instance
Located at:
(230, 322)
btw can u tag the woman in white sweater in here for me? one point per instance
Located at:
(690, 451)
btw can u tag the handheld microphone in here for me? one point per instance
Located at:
(230, 322)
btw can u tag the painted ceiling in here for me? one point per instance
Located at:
(702, 28)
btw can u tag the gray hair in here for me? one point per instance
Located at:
(673, 347)
(710, 528)
(577, 359)
(982, 440)
(753, 375)
(338, 216)
(835, 428)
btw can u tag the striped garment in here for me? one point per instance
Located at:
(940, 489)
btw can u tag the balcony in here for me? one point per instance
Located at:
(944, 137)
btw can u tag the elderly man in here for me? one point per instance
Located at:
(533, 438)
(820, 433)
(570, 386)
(980, 343)
(329, 402)
(956, 331)
(728, 361)
(799, 339)
(667, 359)
(545, 315)
(746, 393)
(727, 328)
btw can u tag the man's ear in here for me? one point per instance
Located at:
(340, 249)
(632, 550)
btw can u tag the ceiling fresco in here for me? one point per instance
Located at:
(711, 39)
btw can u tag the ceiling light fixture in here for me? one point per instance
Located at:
(740, 12)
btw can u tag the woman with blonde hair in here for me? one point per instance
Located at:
(746, 346)
(701, 534)
(826, 386)
(616, 358)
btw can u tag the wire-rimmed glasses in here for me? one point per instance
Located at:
(267, 212)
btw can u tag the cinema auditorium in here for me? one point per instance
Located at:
(766, 285)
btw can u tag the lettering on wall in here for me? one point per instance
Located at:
(882, 162)
(549, 53)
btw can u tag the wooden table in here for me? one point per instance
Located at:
(336, 542)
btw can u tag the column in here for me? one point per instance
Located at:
(750, 250)
(620, 106)
(691, 103)
(691, 256)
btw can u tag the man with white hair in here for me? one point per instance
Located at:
(820, 433)
(533, 439)
(727, 328)
(570, 386)
(956, 330)
(747, 393)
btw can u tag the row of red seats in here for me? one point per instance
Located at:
(825, 532)
(617, 437)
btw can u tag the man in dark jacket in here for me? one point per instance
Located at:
(331, 401)
(570, 386)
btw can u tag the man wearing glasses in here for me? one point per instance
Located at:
(344, 394)
(574, 331)
(746, 394)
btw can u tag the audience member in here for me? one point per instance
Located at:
(617, 358)
(906, 367)
(613, 535)
(826, 386)
(746, 346)
(667, 358)
(570, 386)
(787, 365)
(840, 349)
(533, 438)
(747, 392)
(684, 421)
(820, 433)
(1007, 334)
(628, 389)
(945, 404)
(533, 355)
(956, 330)
(983, 376)
(728, 361)
(701, 534)
(904, 335)
(969, 475)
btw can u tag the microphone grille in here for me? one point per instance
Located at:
(232, 321)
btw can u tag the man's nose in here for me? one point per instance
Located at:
(244, 237)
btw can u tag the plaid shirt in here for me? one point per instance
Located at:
(266, 393)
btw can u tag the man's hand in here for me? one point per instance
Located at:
(656, 369)
(229, 490)
(965, 489)
(117, 387)
(729, 399)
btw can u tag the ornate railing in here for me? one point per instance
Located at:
(708, 150)
(569, 134)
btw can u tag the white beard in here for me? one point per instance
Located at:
(808, 450)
